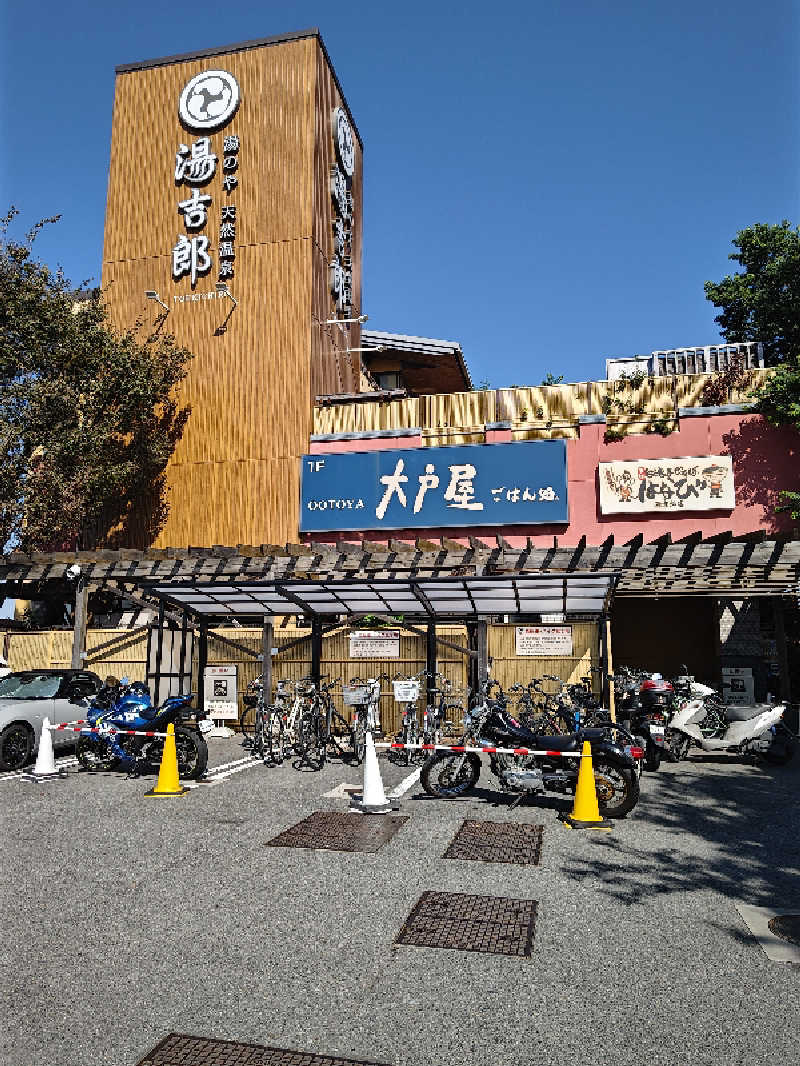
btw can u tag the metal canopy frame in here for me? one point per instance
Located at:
(465, 599)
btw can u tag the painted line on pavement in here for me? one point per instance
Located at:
(405, 784)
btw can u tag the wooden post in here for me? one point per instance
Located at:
(482, 648)
(608, 664)
(783, 657)
(182, 664)
(316, 650)
(267, 636)
(202, 662)
(79, 624)
(430, 661)
(159, 655)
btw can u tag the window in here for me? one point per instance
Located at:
(29, 686)
(389, 380)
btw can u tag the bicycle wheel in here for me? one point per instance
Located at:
(312, 741)
(258, 741)
(359, 739)
(247, 724)
(275, 738)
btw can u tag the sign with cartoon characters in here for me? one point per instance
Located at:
(685, 484)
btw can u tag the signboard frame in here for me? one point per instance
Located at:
(375, 644)
(532, 641)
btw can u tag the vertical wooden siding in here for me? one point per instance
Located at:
(234, 476)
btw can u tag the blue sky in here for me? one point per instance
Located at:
(548, 184)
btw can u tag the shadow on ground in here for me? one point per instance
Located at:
(741, 837)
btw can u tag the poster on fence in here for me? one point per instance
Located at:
(375, 644)
(219, 693)
(545, 641)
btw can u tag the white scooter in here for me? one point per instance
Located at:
(756, 729)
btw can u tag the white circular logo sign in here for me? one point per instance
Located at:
(209, 100)
(343, 139)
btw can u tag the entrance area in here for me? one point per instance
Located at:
(665, 634)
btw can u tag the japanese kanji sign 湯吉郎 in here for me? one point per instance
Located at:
(686, 484)
(425, 488)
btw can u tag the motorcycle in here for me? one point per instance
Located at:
(490, 724)
(642, 702)
(127, 706)
(756, 729)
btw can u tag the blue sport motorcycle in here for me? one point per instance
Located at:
(126, 706)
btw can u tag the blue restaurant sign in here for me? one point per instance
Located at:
(427, 488)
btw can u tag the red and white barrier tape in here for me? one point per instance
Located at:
(66, 725)
(109, 732)
(460, 748)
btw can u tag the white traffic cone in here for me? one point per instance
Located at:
(373, 798)
(45, 767)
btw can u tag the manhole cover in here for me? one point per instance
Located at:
(340, 831)
(179, 1050)
(492, 924)
(497, 842)
(786, 926)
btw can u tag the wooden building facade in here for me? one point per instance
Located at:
(265, 214)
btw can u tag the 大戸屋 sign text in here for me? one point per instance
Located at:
(426, 488)
(688, 484)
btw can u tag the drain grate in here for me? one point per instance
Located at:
(492, 924)
(340, 831)
(179, 1050)
(497, 842)
(786, 926)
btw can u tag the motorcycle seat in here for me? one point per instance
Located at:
(744, 712)
(568, 741)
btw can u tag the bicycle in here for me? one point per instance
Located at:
(320, 726)
(437, 718)
(364, 697)
(406, 693)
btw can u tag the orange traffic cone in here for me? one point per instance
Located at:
(169, 782)
(585, 811)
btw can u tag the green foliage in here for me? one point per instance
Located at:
(89, 416)
(791, 503)
(763, 302)
(663, 426)
(778, 398)
(612, 434)
(551, 379)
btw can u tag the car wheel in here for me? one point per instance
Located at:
(16, 745)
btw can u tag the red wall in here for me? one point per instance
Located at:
(765, 460)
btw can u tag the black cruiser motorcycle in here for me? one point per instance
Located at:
(491, 725)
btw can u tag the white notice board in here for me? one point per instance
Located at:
(219, 693)
(375, 644)
(546, 641)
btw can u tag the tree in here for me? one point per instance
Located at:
(89, 415)
(763, 302)
(551, 379)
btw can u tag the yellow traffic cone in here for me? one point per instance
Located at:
(585, 811)
(169, 782)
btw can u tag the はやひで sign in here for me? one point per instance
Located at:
(685, 484)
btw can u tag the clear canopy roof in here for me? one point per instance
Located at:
(455, 597)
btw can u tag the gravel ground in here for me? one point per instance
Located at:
(126, 918)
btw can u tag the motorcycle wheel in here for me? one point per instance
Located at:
(617, 787)
(781, 751)
(94, 754)
(652, 757)
(191, 750)
(438, 776)
(678, 746)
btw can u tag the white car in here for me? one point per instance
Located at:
(27, 697)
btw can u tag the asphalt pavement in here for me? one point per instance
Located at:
(126, 918)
